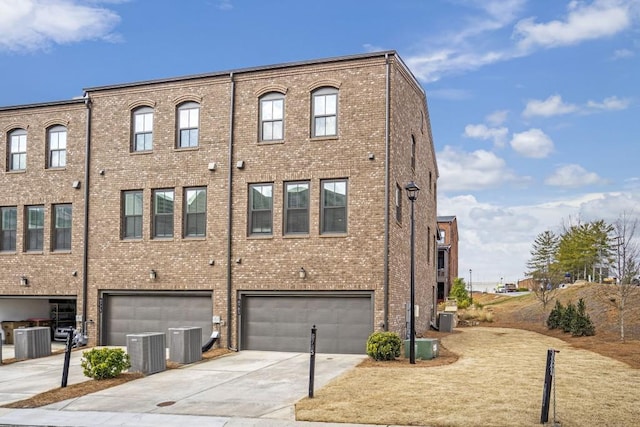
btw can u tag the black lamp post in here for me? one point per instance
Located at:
(412, 192)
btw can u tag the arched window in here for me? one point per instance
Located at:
(57, 147)
(142, 139)
(188, 124)
(325, 112)
(18, 150)
(272, 117)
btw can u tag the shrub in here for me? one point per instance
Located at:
(383, 345)
(102, 363)
(554, 320)
(568, 314)
(582, 324)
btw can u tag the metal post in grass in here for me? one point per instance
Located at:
(312, 359)
(548, 381)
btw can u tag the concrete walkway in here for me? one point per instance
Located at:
(240, 389)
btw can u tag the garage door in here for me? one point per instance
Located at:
(283, 323)
(135, 313)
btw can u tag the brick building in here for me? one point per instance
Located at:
(256, 202)
(447, 255)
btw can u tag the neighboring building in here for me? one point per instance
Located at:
(447, 255)
(256, 202)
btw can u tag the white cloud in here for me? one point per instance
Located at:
(481, 131)
(552, 106)
(572, 176)
(225, 5)
(601, 18)
(476, 170)
(610, 103)
(533, 143)
(30, 25)
(623, 54)
(496, 239)
(497, 117)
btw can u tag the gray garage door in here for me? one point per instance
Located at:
(283, 323)
(135, 313)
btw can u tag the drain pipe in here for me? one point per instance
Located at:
(85, 232)
(230, 214)
(386, 194)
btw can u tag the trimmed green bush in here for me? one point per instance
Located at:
(383, 345)
(102, 363)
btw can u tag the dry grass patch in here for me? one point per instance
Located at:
(496, 382)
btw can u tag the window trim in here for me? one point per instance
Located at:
(156, 215)
(56, 129)
(139, 112)
(323, 208)
(38, 230)
(54, 228)
(188, 107)
(324, 91)
(22, 155)
(271, 97)
(188, 215)
(251, 210)
(13, 232)
(124, 235)
(288, 209)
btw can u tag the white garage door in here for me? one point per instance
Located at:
(283, 323)
(154, 312)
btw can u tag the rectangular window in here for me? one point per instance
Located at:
(62, 228)
(296, 214)
(333, 216)
(260, 209)
(442, 236)
(132, 214)
(163, 213)
(143, 129)
(325, 112)
(413, 152)
(34, 239)
(8, 227)
(18, 150)
(398, 202)
(188, 122)
(57, 147)
(272, 117)
(195, 212)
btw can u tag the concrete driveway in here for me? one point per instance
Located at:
(248, 384)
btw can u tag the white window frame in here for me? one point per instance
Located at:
(324, 112)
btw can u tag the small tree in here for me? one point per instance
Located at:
(555, 317)
(568, 314)
(459, 292)
(582, 324)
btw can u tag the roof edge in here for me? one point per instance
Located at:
(79, 100)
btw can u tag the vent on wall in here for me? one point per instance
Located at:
(147, 352)
(185, 344)
(31, 343)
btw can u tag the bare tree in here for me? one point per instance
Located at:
(627, 266)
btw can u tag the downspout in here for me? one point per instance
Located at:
(386, 194)
(85, 232)
(230, 214)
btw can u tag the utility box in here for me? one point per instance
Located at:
(31, 343)
(147, 352)
(185, 345)
(425, 348)
(445, 322)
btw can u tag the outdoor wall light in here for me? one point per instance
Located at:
(75, 184)
(212, 166)
(302, 273)
(152, 274)
(74, 273)
(24, 281)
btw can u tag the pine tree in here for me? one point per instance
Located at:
(582, 324)
(568, 315)
(555, 317)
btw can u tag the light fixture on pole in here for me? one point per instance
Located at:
(412, 193)
(470, 287)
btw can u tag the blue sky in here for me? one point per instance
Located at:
(534, 104)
